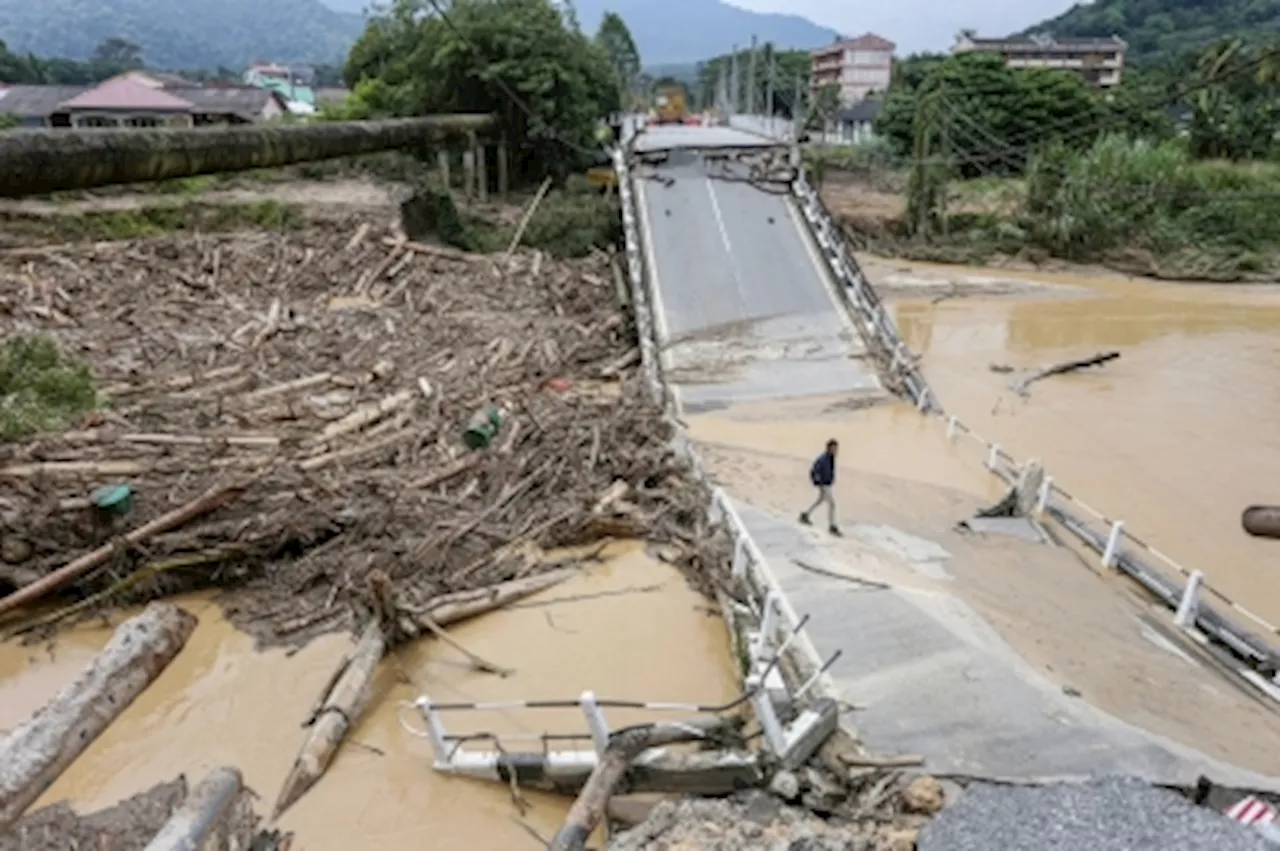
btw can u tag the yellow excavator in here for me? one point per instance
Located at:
(672, 101)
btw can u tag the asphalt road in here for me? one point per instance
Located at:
(746, 310)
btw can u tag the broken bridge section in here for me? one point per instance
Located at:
(745, 308)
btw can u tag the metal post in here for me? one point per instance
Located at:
(1190, 602)
(951, 427)
(596, 722)
(482, 173)
(993, 456)
(739, 558)
(1112, 551)
(797, 112)
(735, 88)
(1046, 491)
(751, 79)
(442, 163)
(769, 619)
(435, 730)
(768, 97)
(774, 736)
(923, 403)
(503, 186)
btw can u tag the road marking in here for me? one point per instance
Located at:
(728, 246)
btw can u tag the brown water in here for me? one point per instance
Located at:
(629, 629)
(1176, 438)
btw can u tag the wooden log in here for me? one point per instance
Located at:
(201, 814)
(625, 745)
(43, 161)
(528, 216)
(203, 504)
(1262, 521)
(1020, 386)
(34, 755)
(339, 709)
(367, 414)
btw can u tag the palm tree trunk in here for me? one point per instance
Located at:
(38, 162)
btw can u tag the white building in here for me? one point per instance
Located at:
(859, 66)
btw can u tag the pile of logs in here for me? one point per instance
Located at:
(289, 412)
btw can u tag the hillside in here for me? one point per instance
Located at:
(684, 31)
(1157, 29)
(182, 33)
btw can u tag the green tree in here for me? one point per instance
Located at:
(548, 84)
(824, 107)
(118, 51)
(614, 38)
(995, 114)
(1234, 106)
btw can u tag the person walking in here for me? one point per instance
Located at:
(823, 476)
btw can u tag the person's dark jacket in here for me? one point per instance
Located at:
(823, 471)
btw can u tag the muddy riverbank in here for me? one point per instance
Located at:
(615, 630)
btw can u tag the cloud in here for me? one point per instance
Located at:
(917, 25)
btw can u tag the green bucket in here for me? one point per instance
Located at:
(483, 428)
(113, 499)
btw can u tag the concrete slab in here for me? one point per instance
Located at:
(745, 308)
(657, 138)
(929, 676)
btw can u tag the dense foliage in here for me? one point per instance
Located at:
(991, 110)
(1161, 30)
(615, 40)
(548, 83)
(1192, 217)
(16, 68)
(182, 33)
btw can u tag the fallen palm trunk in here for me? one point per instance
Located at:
(625, 745)
(1021, 385)
(1262, 521)
(339, 708)
(50, 161)
(203, 812)
(206, 502)
(34, 755)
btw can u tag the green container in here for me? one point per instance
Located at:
(483, 428)
(113, 499)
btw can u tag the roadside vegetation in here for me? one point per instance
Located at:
(41, 389)
(108, 225)
(1174, 174)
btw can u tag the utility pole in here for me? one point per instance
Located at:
(797, 110)
(768, 98)
(751, 79)
(733, 82)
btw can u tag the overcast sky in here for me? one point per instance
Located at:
(916, 25)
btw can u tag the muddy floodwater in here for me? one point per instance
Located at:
(1175, 438)
(629, 628)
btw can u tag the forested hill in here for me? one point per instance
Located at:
(1165, 29)
(182, 33)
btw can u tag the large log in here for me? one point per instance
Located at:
(36, 753)
(202, 815)
(624, 746)
(1262, 521)
(339, 708)
(40, 161)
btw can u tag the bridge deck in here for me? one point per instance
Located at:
(745, 307)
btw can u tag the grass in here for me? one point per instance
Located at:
(41, 389)
(153, 221)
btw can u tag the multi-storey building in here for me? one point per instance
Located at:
(1099, 60)
(859, 66)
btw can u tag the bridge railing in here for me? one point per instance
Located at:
(1181, 589)
(767, 607)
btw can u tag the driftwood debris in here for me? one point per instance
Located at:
(32, 756)
(206, 502)
(1262, 521)
(1021, 385)
(625, 745)
(355, 465)
(203, 815)
(338, 709)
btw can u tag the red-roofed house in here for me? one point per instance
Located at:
(859, 66)
(125, 102)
